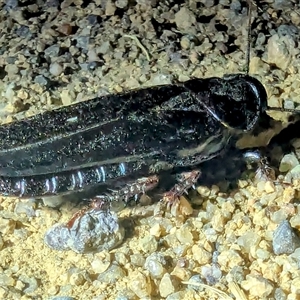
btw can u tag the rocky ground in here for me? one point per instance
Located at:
(238, 243)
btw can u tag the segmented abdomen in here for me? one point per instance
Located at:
(65, 182)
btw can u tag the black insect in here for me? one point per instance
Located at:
(128, 137)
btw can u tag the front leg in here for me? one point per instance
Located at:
(263, 169)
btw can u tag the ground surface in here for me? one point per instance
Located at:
(55, 53)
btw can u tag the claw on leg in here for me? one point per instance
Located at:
(186, 181)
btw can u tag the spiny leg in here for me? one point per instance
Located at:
(186, 180)
(264, 171)
(135, 189)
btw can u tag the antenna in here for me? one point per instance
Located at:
(248, 37)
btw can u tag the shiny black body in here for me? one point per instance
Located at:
(134, 134)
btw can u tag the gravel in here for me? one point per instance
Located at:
(56, 53)
(95, 231)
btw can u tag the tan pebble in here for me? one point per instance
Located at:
(218, 221)
(77, 279)
(65, 97)
(184, 235)
(184, 19)
(118, 88)
(203, 191)
(7, 225)
(110, 8)
(185, 42)
(248, 239)
(271, 271)
(185, 207)
(201, 255)
(230, 259)
(166, 286)
(140, 284)
(261, 186)
(181, 273)
(6, 280)
(155, 230)
(295, 286)
(20, 285)
(3, 293)
(243, 183)
(121, 258)
(66, 3)
(277, 54)
(260, 218)
(53, 290)
(228, 207)
(257, 286)
(288, 195)
(65, 29)
(269, 187)
(148, 244)
(295, 221)
(290, 209)
(181, 208)
(22, 94)
(261, 253)
(194, 57)
(101, 262)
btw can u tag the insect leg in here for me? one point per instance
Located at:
(264, 171)
(186, 180)
(135, 189)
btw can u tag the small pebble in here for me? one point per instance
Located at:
(184, 20)
(166, 286)
(26, 207)
(121, 3)
(77, 279)
(269, 187)
(56, 69)
(212, 274)
(65, 29)
(155, 230)
(288, 162)
(201, 255)
(285, 240)
(148, 244)
(184, 235)
(53, 201)
(101, 262)
(6, 280)
(257, 286)
(7, 226)
(140, 284)
(113, 274)
(93, 232)
(155, 265)
(292, 174)
(11, 4)
(42, 80)
(197, 280)
(52, 51)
